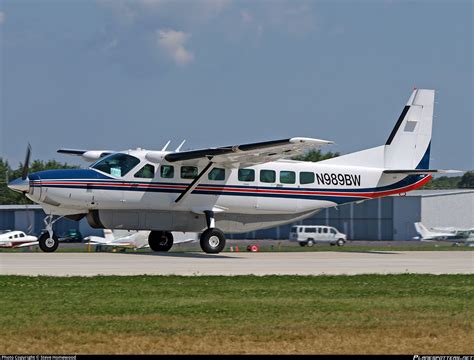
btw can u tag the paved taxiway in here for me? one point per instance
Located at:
(300, 263)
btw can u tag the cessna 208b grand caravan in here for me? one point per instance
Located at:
(228, 189)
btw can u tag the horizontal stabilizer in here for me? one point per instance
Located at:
(419, 171)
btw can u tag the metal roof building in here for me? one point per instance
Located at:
(389, 218)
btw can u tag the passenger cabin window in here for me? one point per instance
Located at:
(167, 171)
(320, 230)
(189, 172)
(216, 174)
(146, 172)
(310, 230)
(287, 177)
(246, 175)
(22, 235)
(116, 164)
(306, 177)
(267, 176)
(325, 230)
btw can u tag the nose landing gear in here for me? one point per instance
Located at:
(48, 241)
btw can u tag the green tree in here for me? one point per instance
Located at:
(467, 180)
(9, 197)
(315, 156)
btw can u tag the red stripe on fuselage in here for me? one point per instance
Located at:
(372, 194)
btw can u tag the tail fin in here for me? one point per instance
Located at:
(421, 229)
(408, 146)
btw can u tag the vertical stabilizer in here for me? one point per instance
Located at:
(408, 146)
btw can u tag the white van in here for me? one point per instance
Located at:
(312, 234)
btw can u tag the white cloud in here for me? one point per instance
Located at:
(173, 42)
(2, 17)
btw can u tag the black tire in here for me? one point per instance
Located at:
(212, 241)
(340, 242)
(47, 244)
(303, 243)
(310, 242)
(160, 240)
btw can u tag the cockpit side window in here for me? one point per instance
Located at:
(146, 172)
(117, 164)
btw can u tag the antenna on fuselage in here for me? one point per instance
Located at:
(180, 146)
(166, 146)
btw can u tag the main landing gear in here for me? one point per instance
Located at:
(160, 240)
(212, 240)
(48, 241)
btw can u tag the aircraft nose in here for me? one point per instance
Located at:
(20, 185)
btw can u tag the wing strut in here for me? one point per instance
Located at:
(195, 182)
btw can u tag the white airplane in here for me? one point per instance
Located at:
(125, 239)
(229, 189)
(446, 234)
(17, 239)
(120, 239)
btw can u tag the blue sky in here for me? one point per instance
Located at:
(119, 74)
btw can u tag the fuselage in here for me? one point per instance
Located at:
(287, 188)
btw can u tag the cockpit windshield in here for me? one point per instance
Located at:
(116, 164)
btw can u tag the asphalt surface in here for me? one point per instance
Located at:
(241, 263)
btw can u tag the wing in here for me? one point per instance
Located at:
(87, 155)
(33, 243)
(248, 154)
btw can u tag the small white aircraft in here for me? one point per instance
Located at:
(125, 239)
(228, 189)
(17, 239)
(444, 234)
(120, 239)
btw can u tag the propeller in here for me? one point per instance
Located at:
(22, 184)
(26, 165)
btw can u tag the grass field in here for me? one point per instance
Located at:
(242, 314)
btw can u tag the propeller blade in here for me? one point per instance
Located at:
(26, 165)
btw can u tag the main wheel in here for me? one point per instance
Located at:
(212, 241)
(160, 240)
(340, 242)
(48, 244)
(310, 242)
(303, 243)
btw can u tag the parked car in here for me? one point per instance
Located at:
(72, 235)
(312, 234)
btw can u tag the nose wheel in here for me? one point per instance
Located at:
(48, 241)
